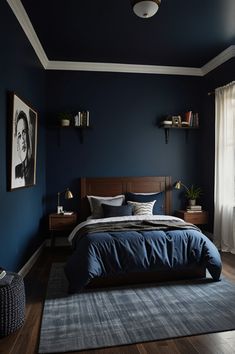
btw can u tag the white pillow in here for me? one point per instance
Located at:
(96, 201)
(142, 208)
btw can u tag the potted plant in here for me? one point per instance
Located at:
(65, 119)
(192, 194)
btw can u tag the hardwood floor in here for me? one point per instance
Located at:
(25, 340)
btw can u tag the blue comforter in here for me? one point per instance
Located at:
(101, 253)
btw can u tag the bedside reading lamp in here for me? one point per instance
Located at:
(68, 195)
(179, 184)
(192, 193)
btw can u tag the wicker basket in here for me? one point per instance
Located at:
(12, 305)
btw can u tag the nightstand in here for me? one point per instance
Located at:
(61, 222)
(197, 218)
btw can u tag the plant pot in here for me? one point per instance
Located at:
(192, 202)
(65, 122)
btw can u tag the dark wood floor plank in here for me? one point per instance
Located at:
(212, 344)
(26, 340)
(160, 347)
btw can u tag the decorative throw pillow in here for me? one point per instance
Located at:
(96, 208)
(103, 198)
(158, 208)
(142, 208)
(111, 210)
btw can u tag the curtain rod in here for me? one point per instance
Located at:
(213, 92)
(210, 93)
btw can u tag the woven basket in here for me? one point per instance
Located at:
(12, 305)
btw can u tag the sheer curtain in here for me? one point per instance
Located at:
(224, 193)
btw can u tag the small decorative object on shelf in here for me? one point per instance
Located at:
(65, 119)
(176, 121)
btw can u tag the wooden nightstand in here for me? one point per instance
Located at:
(196, 218)
(61, 222)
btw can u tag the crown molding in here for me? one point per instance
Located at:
(224, 56)
(27, 26)
(123, 68)
(24, 21)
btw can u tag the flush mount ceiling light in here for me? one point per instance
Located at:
(145, 8)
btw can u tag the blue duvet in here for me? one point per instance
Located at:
(105, 253)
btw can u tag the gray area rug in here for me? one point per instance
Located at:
(125, 315)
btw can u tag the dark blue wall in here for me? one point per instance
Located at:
(124, 139)
(216, 78)
(21, 211)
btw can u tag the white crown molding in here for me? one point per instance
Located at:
(220, 59)
(26, 24)
(24, 21)
(123, 68)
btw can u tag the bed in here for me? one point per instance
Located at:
(117, 247)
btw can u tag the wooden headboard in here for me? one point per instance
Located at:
(111, 186)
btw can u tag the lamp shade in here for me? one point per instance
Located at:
(68, 194)
(178, 185)
(145, 8)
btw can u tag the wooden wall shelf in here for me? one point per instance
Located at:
(185, 129)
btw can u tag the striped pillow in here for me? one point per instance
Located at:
(142, 208)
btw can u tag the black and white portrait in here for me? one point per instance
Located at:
(24, 144)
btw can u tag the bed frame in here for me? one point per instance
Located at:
(111, 186)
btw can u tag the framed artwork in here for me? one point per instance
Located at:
(23, 140)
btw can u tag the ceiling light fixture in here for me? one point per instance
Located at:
(145, 8)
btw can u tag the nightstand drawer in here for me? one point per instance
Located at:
(62, 222)
(200, 218)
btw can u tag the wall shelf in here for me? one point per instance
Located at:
(168, 128)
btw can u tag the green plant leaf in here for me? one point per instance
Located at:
(193, 192)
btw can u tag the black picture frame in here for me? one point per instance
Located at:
(23, 127)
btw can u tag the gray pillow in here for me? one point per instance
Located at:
(96, 207)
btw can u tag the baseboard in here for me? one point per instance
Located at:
(29, 264)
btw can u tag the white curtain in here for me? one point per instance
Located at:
(224, 193)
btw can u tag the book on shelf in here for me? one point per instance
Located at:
(194, 207)
(193, 211)
(192, 119)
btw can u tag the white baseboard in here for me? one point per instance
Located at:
(29, 264)
(59, 242)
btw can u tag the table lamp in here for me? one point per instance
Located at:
(68, 195)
